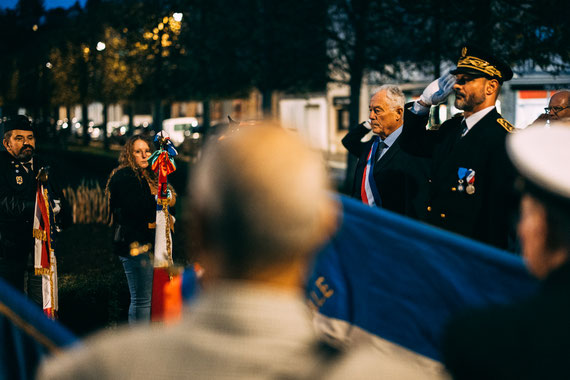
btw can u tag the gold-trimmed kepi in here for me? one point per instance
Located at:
(476, 62)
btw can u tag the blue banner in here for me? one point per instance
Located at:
(26, 335)
(402, 280)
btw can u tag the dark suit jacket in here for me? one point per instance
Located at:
(528, 340)
(401, 177)
(489, 214)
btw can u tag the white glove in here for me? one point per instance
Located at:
(438, 90)
(367, 124)
(56, 206)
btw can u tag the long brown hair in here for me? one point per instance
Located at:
(127, 159)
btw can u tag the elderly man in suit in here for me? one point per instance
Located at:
(558, 110)
(387, 174)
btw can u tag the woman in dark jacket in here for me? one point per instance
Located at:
(131, 191)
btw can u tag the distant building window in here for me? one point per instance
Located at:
(343, 119)
(341, 104)
(341, 101)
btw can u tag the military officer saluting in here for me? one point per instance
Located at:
(471, 188)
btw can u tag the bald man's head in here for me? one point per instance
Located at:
(560, 106)
(262, 199)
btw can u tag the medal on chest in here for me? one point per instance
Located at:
(19, 180)
(466, 180)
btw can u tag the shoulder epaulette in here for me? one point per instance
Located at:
(505, 124)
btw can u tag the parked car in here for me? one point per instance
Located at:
(181, 128)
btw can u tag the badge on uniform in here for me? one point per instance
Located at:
(19, 180)
(466, 180)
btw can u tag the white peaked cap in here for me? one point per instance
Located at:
(542, 156)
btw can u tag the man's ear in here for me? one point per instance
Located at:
(492, 87)
(400, 112)
(5, 143)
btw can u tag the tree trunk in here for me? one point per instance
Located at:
(206, 117)
(131, 112)
(67, 132)
(356, 73)
(85, 123)
(266, 103)
(105, 122)
(157, 115)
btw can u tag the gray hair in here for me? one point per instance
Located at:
(395, 96)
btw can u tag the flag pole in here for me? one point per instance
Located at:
(164, 276)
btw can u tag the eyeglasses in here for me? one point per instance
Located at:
(555, 109)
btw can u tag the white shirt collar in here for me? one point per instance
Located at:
(477, 116)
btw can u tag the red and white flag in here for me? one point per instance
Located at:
(45, 264)
(166, 294)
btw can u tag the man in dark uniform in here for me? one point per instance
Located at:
(529, 339)
(18, 170)
(471, 188)
(392, 177)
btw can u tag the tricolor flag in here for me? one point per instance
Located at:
(44, 230)
(165, 299)
(394, 283)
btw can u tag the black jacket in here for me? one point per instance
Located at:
(489, 214)
(528, 340)
(401, 176)
(17, 203)
(133, 207)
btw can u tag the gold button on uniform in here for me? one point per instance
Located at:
(442, 215)
(429, 208)
(453, 189)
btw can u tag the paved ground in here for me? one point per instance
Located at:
(336, 163)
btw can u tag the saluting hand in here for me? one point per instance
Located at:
(438, 90)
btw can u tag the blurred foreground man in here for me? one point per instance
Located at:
(529, 340)
(262, 203)
(387, 174)
(471, 185)
(19, 167)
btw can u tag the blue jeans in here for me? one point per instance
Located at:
(139, 270)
